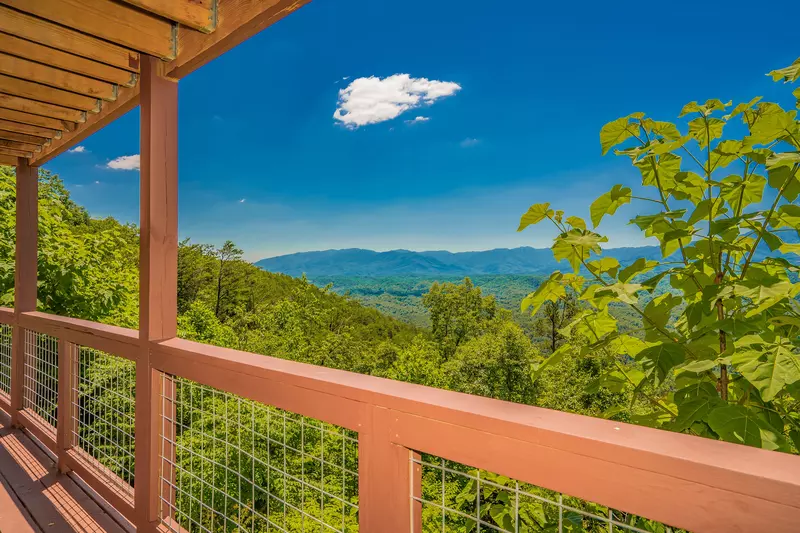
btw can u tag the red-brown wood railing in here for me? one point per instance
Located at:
(688, 482)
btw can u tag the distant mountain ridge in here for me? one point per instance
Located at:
(361, 262)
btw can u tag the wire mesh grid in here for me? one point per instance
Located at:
(230, 464)
(456, 498)
(5, 358)
(103, 413)
(40, 385)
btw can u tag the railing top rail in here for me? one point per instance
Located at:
(114, 339)
(6, 315)
(769, 475)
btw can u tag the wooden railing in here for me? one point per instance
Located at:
(687, 482)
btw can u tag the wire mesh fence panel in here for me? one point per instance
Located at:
(40, 387)
(5, 358)
(103, 414)
(456, 498)
(230, 464)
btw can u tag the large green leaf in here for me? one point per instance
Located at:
(705, 130)
(740, 193)
(694, 410)
(738, 424)
(787, 74)
(638, 267)
(769, 365)
(657, 361)
(617, 132)
(549, 291)
(608, 203)
(661, 170)
(771, 124)
(535, 214)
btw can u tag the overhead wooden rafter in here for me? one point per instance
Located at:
(69, 67)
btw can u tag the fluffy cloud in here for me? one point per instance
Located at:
(373, 100)
(469, 142)
(418, 120)
(78, 150)
(125, 162)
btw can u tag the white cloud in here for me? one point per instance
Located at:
(469, 142)
(418, 120)
(78, 150)
(125, 162)
(241, 201)
(373, 100)
(97, 183)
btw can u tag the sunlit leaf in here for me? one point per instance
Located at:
(736, 423)
(535, 214)
(769, 365)
(608, 203)
(617, 132)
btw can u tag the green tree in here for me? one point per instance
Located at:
(458, 312)
(553, 316)
(227, 255)
(723, 209)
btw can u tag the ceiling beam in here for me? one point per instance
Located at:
(35, 91)
(8, 160)
(127, 99)
(18, 153)
(64, 61)
(196, 14)
(46, 75)
(26, 105)
(237, 20)
(20, 137)
(61, 38)
(24, 147)
(115, 22)
(46, 123)
(28, 129)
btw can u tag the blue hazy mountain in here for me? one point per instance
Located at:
(360, 262)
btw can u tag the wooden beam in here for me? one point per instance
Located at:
(196, 14)
(61, 38)
(118, 23)
(22, 147)
(39, 125)
(35, 91)
(20, 137)
(18, 153)
(62, 60)
(26, 129)
(158, 260)
(127, 99)
(237, 20)
(61, 79)
(8, 160)
(25, 272)
(40, 108)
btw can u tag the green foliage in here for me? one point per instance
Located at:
(87, 268)
(716, 355)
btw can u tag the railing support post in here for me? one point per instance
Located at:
(158, 264)
(65, 424)
(25, 272)
(386, 478)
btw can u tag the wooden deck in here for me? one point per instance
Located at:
(35, 498)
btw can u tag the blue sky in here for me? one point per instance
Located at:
(512, 96)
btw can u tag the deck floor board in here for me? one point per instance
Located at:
(36, 498)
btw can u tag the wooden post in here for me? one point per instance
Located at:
(158, 260)
(384, 478)
(65, 423)
(25, 272)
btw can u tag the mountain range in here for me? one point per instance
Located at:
(360, 262)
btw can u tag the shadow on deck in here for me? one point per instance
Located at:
(35, 497)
